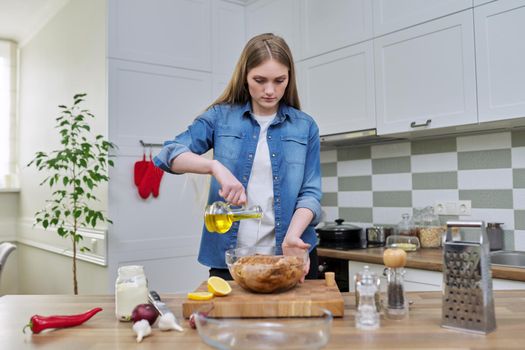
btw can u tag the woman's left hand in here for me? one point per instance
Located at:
(296, 246)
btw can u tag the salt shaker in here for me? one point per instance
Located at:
(367, 316)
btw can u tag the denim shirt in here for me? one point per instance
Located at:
(294, 146)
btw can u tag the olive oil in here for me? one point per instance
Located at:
(221, 223)
(219, 216)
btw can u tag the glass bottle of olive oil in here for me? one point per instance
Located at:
(219, 216)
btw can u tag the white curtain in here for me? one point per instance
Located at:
(8, 84)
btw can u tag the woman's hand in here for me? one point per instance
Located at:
(231, 190)
(295, 246)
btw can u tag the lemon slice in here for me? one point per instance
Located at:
(218, 286)
(200, 295)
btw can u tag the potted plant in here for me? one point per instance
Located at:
(73, 172)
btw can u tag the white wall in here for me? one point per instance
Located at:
(67, 56)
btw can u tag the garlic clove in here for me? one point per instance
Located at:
(142, 329)
(168, 322)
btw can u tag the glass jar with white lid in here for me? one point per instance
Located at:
(131, 289)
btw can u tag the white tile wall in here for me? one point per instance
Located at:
(422, 198)
(355, 199)
(485, 179)
(355, 167)
(329, 184)
(392, 182)
(424, 163)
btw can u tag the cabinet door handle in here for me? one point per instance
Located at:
(415, 125)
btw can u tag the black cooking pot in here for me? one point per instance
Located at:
(341, 236)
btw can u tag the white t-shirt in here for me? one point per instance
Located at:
(260, 192)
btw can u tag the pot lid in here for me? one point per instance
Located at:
(338, 226)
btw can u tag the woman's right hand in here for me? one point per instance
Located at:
(231, 189)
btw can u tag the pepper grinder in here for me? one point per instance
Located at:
(396, 305)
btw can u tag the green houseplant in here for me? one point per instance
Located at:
(73, 172)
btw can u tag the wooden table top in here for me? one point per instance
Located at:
(420, 331)
(424, 259)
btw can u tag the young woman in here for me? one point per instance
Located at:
(265, 152)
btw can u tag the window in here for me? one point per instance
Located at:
(7, 114)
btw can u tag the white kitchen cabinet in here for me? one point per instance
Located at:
(417, 280)
(331, 25)
(425, 76)
(173, 33)
(153, 103)
(392, 15)
(280, 17)
(338, 89)
(500, 59)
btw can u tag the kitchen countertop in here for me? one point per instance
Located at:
(424, 259)
(421, 330)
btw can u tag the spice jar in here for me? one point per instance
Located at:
(406, 226)
(131, 289)
(431, 232)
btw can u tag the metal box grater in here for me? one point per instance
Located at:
(468, 303)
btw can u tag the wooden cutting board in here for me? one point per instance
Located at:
(300, 301)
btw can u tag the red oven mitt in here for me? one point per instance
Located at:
(150, 183)
(139, 170)
(157, 177)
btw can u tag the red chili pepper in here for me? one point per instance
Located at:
(38, 323)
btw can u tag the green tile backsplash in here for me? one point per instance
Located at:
(353, 153)
(375, 184)
(519, 178)
(433, 181)
(356, 214)
(355, 183)
(393, 199)
(434, 146)
(518, 138)
(329, 169)
(493, 159)
(391, 165)
(488, 198)
(329, 199)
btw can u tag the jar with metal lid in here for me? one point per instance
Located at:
(376, 236)
(131, 289)
(406, 226)
(430, 232)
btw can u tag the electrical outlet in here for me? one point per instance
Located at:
(462, 208)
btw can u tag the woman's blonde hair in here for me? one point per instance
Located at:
(258, 50)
